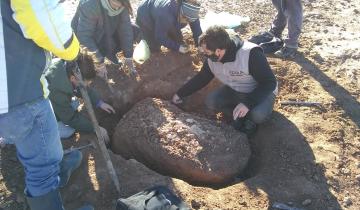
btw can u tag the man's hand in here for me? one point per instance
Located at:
(183, 49)
(107, 108)
(240, 111)
(101, 70)
(128, 63)
(176, 99)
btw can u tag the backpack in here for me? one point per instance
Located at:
(155, 198)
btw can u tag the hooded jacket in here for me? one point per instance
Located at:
(29, 31)
(61, 93)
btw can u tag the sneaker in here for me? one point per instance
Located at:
(286, 52)
(249, 128)
(262, 38)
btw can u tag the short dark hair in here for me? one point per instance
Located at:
(86, 65)
(214, 38)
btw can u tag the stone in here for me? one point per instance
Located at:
(306, 202)
(347, 201)
(161, 136)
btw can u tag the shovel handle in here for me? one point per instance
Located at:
(100, 138)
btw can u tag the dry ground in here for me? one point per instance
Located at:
(307, 157)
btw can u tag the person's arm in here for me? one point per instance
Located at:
(259, 68)
(86, 29)
(126, 34)
(43, 22)
(65, 113)
(199, 81)
(163, 25)
(196, 31)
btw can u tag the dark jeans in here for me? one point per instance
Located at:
(289, 12)
(225, 99)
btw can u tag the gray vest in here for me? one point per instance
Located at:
(236, 74)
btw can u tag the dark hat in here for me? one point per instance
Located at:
(190, 11)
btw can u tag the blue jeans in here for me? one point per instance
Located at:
(33, 129)
(225, 99)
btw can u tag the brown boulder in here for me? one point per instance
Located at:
(167, 140)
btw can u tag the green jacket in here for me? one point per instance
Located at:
(61, 92)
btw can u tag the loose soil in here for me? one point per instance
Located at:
(307, 157)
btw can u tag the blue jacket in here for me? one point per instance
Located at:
(162, 16)
(28, 32)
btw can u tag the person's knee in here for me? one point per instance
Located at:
(258, 116)
(211, 102)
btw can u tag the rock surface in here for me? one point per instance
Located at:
(167, 140)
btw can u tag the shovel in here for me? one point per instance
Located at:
(100, 138)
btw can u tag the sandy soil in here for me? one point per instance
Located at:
(307, 157)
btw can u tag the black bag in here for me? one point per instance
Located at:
(155, 198)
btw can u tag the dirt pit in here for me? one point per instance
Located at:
(306, 157)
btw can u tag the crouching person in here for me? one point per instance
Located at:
(64, 94)
(249, 85)
(26, 117)
(104, 28)
(161, 22)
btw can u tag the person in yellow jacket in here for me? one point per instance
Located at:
(30, 31)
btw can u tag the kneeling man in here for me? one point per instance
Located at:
(249, 85)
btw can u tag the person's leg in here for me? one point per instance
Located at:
(65, 131)
(280, 21)
(224, 99)
(257, 115)
(262, 111)
(294, 12)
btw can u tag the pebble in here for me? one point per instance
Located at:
(190, 120)
(347, 201)
(358, 177)
(306, 202)
(345, 171)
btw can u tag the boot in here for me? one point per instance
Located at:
(249, 128)
(69, 163)
(50, 201)
(286, 52)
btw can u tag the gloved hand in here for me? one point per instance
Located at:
(106, 107)
(128, 64)
(176, 99)
(183, 49)
(105, 135)
(101, 70)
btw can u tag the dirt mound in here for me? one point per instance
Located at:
(164, 138)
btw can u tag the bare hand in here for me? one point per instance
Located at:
(176, 99)
(240, 111)
(107, 108)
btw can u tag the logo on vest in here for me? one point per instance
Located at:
(236, 73)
